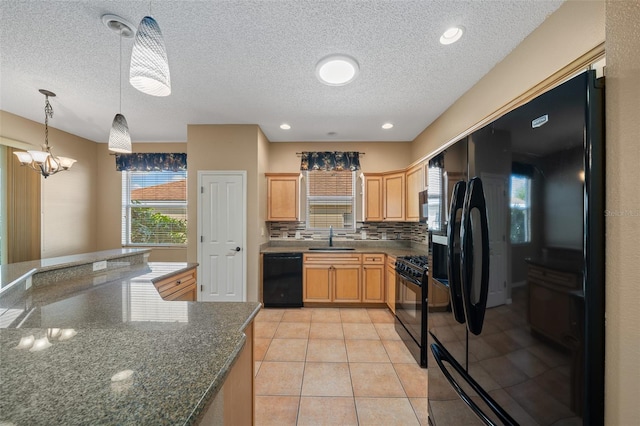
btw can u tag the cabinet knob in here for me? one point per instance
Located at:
(178, 282)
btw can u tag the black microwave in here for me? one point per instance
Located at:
(423, 205)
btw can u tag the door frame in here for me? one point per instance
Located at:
(201, 175)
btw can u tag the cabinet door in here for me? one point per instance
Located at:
(391, 283)
(282, 197)
(346, 283)
(373, 283)
(394, 196)
(317, 283)
(373, 199)
(415, 182)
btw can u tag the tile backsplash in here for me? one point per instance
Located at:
(405, 231)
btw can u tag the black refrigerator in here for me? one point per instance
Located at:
(517, 238)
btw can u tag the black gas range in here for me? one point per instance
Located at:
(411, 305)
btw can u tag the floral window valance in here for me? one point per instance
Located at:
(151, 162)
(329, 161)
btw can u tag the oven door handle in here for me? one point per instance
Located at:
(453, 251)
(441, 356)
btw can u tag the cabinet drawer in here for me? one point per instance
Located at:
(187, 293)
(391, 261)
(332, 259)
(176, 283)
(549, 276)
(373, 259)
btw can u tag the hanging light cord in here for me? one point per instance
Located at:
(48, 112)
(120, 71)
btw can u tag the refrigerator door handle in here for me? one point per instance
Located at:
(453, 251)
(441, 356)
(474, 241)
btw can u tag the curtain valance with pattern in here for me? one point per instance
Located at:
(330, 161)
(151, 162)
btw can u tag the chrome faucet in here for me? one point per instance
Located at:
(330, 236)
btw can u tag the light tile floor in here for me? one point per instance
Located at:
(335, 366)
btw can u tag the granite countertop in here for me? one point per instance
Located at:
(563, 265)
(389, 248)
(15, 272)
(117, 352)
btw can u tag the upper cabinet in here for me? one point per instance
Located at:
(393, 185)
(415, 184)
(373, 198)
(283, 196)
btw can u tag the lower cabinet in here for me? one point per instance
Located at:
(344, 278)
(373, 289)
(332, 278)
(181, 286)
(391, 283)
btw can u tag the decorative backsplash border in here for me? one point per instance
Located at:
(404, 231)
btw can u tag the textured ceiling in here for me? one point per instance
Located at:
(252, 62)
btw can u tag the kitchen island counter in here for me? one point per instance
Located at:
(106, 349)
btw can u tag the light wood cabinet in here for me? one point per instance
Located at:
(332, 278)
(393, 185)
(373, 196)
(373, 275)
(181, 286)
(235, 402)
(283, 196)
(415, 184)
(391, 283)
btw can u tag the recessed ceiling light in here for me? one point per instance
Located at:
(337, 70)
(285, 126)
(452, 35)
(387, 126)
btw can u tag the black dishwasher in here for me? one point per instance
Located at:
(282, 280)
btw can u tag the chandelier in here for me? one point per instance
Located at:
(44, 161)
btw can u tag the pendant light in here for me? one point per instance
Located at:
(119, 137)
(149, 72)
(44, 162)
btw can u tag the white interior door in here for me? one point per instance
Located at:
(497, 210)
(221, 227)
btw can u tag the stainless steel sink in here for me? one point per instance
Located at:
(332, 248)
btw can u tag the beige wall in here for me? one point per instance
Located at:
(219, 148)
(68, 198)
(623, 232)
(263, 167)
(574, 29)
(109, 201)
(379, 156)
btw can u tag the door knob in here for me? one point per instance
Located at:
(236, 249)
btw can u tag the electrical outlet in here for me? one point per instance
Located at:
(297, 235)
(28, 283)
(363, 235)
(384, 235)
(99, 266)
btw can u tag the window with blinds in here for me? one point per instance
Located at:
(330, 200)
(154, 208)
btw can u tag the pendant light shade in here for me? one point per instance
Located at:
(119, 138)
(149, 71)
